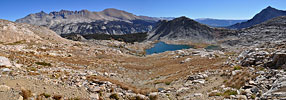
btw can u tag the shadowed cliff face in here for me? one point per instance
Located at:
(105, 27)
(264, 15)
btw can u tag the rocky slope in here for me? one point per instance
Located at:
(264, 15)
(269, 31)
(181, 28)
(108, 21)
(16, 33)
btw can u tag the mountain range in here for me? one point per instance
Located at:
(65, 17)
(115, 22)
(108, 21)
(218, 22)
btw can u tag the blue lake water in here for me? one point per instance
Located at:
(162, 47)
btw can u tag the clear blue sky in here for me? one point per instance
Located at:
(221, 9)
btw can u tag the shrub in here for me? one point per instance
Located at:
(43, 63)
(57, 97)
(114, 96)
(215, 94)
(153, 97)
(229, 92)
(46, 95)
(167, 83)
(253, 96)
(237, 67)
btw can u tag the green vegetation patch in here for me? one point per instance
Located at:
(237, 67)
(229, 92)
(129, 38)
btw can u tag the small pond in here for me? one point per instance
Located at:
(162, 47)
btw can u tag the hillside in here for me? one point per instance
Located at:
(14, 33)
(272, 30)
(181, 28)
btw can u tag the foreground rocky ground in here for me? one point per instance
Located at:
(101, 71)
(47, 67)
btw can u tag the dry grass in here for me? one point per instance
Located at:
(125, 86)
(155, 97)
(238, 80)
(177, 71)
(33, 74)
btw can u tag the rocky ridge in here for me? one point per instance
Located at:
(66, 17)
(108, 21)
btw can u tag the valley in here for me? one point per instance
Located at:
(116, 55)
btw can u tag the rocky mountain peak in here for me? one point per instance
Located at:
(41, 14)
(181, 28)
(264, 15)
(270, 8)
(184, 20)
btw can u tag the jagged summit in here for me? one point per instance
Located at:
(270, 7)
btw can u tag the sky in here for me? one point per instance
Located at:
(218, 9)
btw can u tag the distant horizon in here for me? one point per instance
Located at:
(213, 9)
